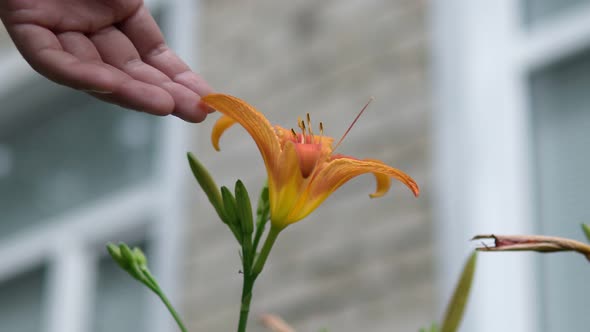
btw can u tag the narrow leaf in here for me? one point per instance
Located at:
(456, 306)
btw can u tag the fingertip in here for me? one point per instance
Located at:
(195, 116)
(205, 108)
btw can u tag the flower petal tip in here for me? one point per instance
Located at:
(376, 195)
(413, 186)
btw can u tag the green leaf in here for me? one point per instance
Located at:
(586, 230)
(207, 184)
(456, 307)
(244, 208)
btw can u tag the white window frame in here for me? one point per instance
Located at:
(482, 55)
(156, 208)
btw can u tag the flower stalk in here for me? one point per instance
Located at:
(134, 262)
(252, 269)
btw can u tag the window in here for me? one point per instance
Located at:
(511, 134)
(561, 127)
(534, 12)
(21, 301)
(74, 174)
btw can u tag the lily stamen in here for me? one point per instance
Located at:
(309, 126)
(353, 122)
(301, 125)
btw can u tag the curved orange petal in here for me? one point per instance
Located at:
(253, 121)
(383, 182)
(220, 126)
(341, 170)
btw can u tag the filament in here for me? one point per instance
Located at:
(353, 122)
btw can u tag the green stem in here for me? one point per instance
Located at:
(154, 287)
(172, 311)
(260, 223)
(246, 299)
(250, 275)
(268, 243)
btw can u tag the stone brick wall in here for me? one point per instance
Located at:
(356, 264)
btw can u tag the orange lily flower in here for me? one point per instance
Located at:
(302, 169)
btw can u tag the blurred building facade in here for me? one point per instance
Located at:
(511, 126)
(355, 264)
(482, 103)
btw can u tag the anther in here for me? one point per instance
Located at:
(301, 125)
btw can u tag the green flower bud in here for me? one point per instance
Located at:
(231, 213)
(244, 208)
(115, 253)
(140, 257)
(207, 184)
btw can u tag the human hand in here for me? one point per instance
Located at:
(112, 49)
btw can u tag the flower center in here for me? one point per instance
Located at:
(307, 146)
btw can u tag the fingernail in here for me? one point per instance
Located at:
(205, 108)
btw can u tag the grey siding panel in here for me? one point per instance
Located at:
(356, 264)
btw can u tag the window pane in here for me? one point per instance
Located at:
(71, 150)
(21, 301)
(537, 11)
(561, 122)
(120, 301)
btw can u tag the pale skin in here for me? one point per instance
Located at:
(112, 49)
